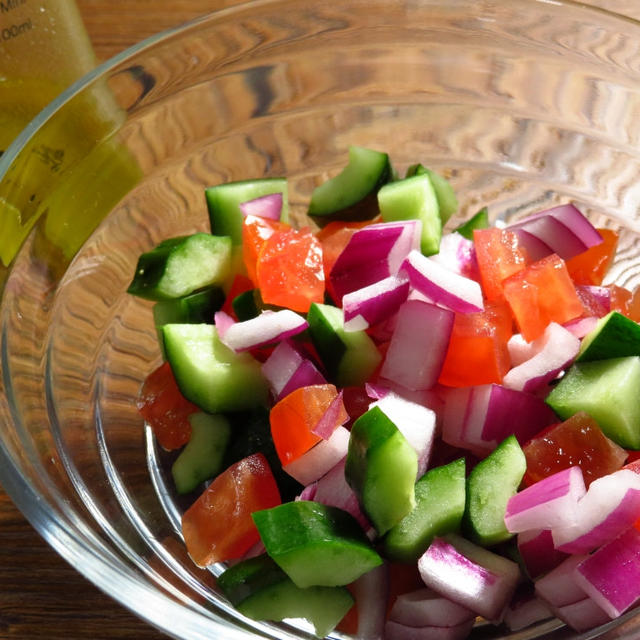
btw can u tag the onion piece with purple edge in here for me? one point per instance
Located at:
(305, 375)
(594, 298)
(416, 422)
(524, 610)
(458, 254)
(425, 607)
(559, 586)
(333, 490)
(470, 575)
(373, 253)
(371, 591)
(611, 505)
(281, 365)
(441, 285)
(269, 206)
(550, 502)
(611, 575)
(268, 327)
(555, 350)
(418, 346)
(538, 554)
(223, 321)
(582, 615)
(321, 458)
(580, 327)
(331, 417)
(565, 230)
(396, 631)
(374, 303)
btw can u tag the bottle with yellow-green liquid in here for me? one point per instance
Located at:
(44, 48)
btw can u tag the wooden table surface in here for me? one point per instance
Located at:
(40, 595)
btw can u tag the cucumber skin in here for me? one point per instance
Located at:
(608, 391)
(353, 202)
(158, 271)
(350, 357)
(260, 590)
(316, 544)
(381, 468)
(211, 375)
(445, 195)
(225, 216)
(201, 458)
(489, 486)
(615, 336)
(440, 504)
(479, 220)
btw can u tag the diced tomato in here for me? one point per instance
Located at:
(591, 266)
(576, 441)
(218, 526)
(255, 231)
(625, 302)
(294, 417)
(356, 402)
(403, 578)
(542, 293)
(334, 237)
(477, 352)
(165, 409)
(240, 284)
(499, 255)
(290, 271)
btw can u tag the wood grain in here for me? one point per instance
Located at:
(40, 595)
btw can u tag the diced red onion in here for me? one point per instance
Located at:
(611, 575)
(550, 502)
(458, 254)
(268, 327)
(559, 586)
(538, 552)
(582, 615)
(580, 327)
(478, 418)
(564, 229)
(525, 610)
(535, 248)
(371, 592)
(416, 422)
(596, 300)
(520, 350)
(555, 350)
(396, 631)
(223, 321)
(425, 607)
(468, 574)
(374, 303)
(269, 206)
(305, 375)
(418, 346)
(441, 285)
(332, 489)
(373, 253)
(320, 459)
(335, 416)
(281, 365)
(611, 505)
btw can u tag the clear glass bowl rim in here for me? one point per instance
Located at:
(89, 555)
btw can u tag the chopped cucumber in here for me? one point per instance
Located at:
(381, 468)
(351, 195)
(414, 198)
(440, 501)
(179, 266)
(614, 336)
(608, 390)
(202, 457)
(350, 357)
(210, 374)
(446, 196)
(315, 544)
(224, 200)
(246, 305)
(260, 590)
(478, 221)
(490, 485)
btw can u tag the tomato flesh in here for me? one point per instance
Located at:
(218, 526)
(591, 266)
(578, 441)
(165, 409)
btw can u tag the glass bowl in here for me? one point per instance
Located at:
(522, 104)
